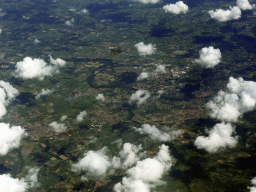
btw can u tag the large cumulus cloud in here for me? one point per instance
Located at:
(37, 68)
(95, 163)
(147, 173)
(7, 94)
(177, 8)
(10, 137)
(226, 15)
(229, 105)
(209, 57)
(10, 184)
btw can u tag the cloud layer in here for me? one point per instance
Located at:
(177, 8)
(226, 15)
(209, 57)
(145, 49)
(37, 68)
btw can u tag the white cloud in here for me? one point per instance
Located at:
(139, 97)
(155, 134)
(129, 155)
(145, 49)
(81, 116)
(58, 127)
(0, 30)
(9, 184)
(10, 137)
(44, 92)
(147, 173)
(63, 118)
(160, 69)
(37, 68)
(94, 163)
(100, 97)
(209, 57)
(223, 16)
(143, 75)
(239, 98)
(160, 92)
(148, 1)
(32, 177)
(177, 8)
(36, 41)
(57, 62)
(70, 22)
(244, 5)
(7, 92)
(84, 11)
(253, 181)
(219, 137)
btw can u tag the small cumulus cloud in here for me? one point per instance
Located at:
(37, 68)
(160, 69)
(139, 97)
(70, 22)
(58, 127)
(84, 11)
(155, 134)
(244, 5)
(80, 117)
(43, 92)
(177, 8)
(219, 137)
(100, 97)
(36, 41)
(143, 75)
(145, 49)
(209, 57)
(10, 137)
(63, 118)
(226, 15)
(148, 1)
